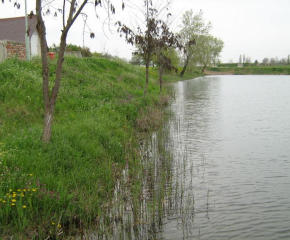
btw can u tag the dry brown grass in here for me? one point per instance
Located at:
(150, 119)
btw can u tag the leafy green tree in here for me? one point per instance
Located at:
(209, 50)
(193, 30)
(137, 59)
(173, 55)
(206, 49)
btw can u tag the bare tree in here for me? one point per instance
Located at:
(50, 97)
(273, 61)
(265, 61)
(70, 11)
(153, 40)
(163, 42)
(142, 38)
(248, 60)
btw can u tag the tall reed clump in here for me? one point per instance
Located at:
(48, 190)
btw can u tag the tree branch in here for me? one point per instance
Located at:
(63, 14)
(72, 18)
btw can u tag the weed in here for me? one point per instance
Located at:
(51, 189)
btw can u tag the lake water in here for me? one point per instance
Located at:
(230, 141)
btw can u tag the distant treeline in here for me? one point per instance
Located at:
(265, 62)
(276, 61)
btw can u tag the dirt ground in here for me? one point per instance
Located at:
(218, 73)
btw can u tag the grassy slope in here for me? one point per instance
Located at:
(66, 182)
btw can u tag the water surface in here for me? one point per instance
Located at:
(230, 139)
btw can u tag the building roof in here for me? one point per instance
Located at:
(14, 28)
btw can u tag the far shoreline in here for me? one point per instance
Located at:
(247, 71)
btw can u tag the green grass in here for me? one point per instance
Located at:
(170, 77)
(259, 70)
(48, 188)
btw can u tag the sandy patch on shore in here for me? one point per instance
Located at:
(218, 73)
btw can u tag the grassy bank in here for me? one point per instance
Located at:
(258, 70)
(48, 189)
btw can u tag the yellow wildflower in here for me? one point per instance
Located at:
(52, 223)
(30, 174)
(59, 225)
(4, 201)
(24, 206)
(33, 189)
(13, 200)
(22, 195)
(12, 204)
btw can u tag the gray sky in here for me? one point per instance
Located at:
(256, 28)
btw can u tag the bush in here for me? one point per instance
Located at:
(85, 51)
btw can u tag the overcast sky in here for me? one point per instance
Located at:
(256, 28)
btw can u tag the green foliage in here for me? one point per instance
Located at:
(71, 178)
(227, 65)
(137, 59)
(171, 54)
(207, 48)
(85, 51)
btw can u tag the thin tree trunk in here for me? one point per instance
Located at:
(147, 79)
(185, 66)
(204, 67)
(161, 76)
(50, 101)
(48, 117)
(147, 54)
(48, 114)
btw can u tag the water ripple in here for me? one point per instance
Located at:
(230, 139)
